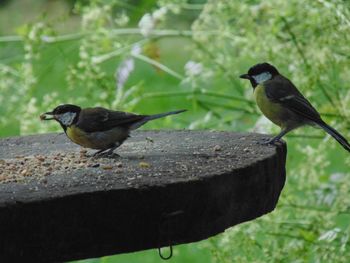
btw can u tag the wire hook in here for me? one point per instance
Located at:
(167, 257)
(164, 228)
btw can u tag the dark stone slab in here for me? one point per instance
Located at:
(173, 187)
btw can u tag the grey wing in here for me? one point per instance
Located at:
(284, 92)
(101, 119)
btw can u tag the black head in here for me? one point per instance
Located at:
(260, 73)
(61, 109)
(65, 114)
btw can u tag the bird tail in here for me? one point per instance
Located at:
(153, 117)
(335, 134)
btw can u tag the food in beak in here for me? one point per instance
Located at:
(44, 116)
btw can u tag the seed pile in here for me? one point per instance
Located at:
(24, 168)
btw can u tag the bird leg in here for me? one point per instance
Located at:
(99, 152)
(276, 138)
(109, 152)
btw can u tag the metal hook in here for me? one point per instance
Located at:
(164, 232)
(169, 256)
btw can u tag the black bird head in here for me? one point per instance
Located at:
(260, 73)
(65, 114)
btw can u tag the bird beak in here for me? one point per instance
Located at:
(244, 76)
(44, 116)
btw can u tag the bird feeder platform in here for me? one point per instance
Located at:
(57, 203)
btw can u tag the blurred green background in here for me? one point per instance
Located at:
(160, 55)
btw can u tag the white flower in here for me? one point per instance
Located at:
(83, 54)
(122, 19)
(46, 39)
(123, 72)
(160, 13)
(136, 49)
(90, 16)
(193, 68)
(146, 24)
(337, 177)
(330, 235)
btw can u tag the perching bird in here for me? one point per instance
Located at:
(98, 128)
(282, 103)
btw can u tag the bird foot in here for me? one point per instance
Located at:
(268, 141)
(105, 155)
(113, 155)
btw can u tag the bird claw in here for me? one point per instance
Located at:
(268, 141)
(97, 154)
(113, 155)
(106, 155)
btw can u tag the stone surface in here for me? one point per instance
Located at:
(167, 187)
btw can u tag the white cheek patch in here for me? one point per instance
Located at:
(66, 118)
(262, 77)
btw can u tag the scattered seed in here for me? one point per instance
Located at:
(40, 158)
(217, 148)
(144, 165)
(149, 139)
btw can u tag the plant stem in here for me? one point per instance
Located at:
(10, 39)
(116, 32)
(226, 96)
(115, 53)
(295, 41)
(205, 107)
(229, 107)
(158, 65)
(199, 92)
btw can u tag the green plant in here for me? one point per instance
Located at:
(124, 56)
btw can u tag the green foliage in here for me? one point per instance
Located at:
(307, 40)
(186, 54)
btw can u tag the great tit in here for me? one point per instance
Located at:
(282, 103)
(98, 128)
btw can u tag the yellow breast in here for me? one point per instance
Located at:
(273, 111)
(78, 136)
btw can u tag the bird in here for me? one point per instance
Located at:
(98, 128)
(283, 104)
